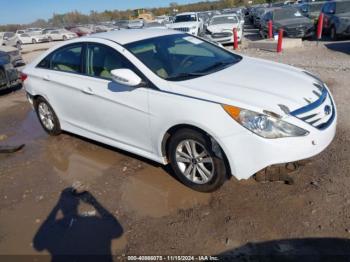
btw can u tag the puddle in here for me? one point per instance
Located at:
(78, 160)
(30, 129)
(155, 193)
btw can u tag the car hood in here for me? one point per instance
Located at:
(184, 24)
(254, 84)
(221, 27)
(295, 22)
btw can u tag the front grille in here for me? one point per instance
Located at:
(182, 29)
(321, 113)
(222, 34)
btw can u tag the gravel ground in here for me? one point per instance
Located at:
(136, 207)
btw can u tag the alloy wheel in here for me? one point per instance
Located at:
(194, 161)
(46, 116)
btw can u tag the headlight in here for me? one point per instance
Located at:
(264, 125)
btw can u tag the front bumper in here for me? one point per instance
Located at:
(248, 153)
(225, 40)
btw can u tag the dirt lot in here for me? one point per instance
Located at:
(136, 207)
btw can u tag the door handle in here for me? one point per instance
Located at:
(88, 91)
(46, 78)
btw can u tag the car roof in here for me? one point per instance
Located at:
(225, 15)
(187, 13)
(124, 37)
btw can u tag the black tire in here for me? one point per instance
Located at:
(33, 41)
(19, 45)
(333, 33)
(219, 172)
(50, 39)
(56, 130)
(64, 38)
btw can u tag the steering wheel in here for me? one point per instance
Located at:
(184, 63)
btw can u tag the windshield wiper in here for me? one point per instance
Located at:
(184, 75)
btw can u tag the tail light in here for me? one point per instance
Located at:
(23, 77)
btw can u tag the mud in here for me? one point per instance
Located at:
(154, 212)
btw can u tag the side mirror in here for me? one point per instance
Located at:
(126, 77)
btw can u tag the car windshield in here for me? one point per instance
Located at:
(286, 13)
(343, 7)
(224, 20)
(185, 18)
(180, 56)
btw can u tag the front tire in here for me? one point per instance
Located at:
(47, 117)
(194, 162)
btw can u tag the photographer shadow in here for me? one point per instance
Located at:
(70, 236)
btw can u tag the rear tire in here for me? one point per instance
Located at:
(194, 162)
(47, 117)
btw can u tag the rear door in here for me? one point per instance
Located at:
(60, 75)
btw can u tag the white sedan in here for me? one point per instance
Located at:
(220, 28)
(179, 100)
(61, 34)
(27, 38)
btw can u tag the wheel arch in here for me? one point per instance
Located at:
(172, 130)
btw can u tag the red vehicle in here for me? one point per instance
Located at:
(81, 31)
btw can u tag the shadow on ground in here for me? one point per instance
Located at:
(292, 250)
(70, 236)
(343, 47)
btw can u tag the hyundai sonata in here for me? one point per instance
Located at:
(180, 100)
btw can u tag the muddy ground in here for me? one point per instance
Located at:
(135, 206)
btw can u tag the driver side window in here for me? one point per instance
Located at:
(101, 60)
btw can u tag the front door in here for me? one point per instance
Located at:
(113, 110)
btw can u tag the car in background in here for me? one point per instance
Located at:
(311, 9)
(154, 25)
(81, 31)
(15, 55)
(188, 23)
(290, 19)
(9, 39)
(336, 20)
(60, 34)
(135, 24)
(9, 77)
(121, 24)
(220, 28)
(28, 38)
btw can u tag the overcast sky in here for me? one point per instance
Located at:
(26, 11)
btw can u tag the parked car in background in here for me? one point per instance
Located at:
(290, 19)
(135, 24)
(81, 31)
(9, 76)
(336, 20)
(220, 28)
(311, 9)
(27, 38)
(19, 32)
(9, 39)
(60, 34)
(15, 55)
(121, 24)
(154, 25)
(188, 23)
(207, 112)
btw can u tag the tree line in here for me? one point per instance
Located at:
(78, 18)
